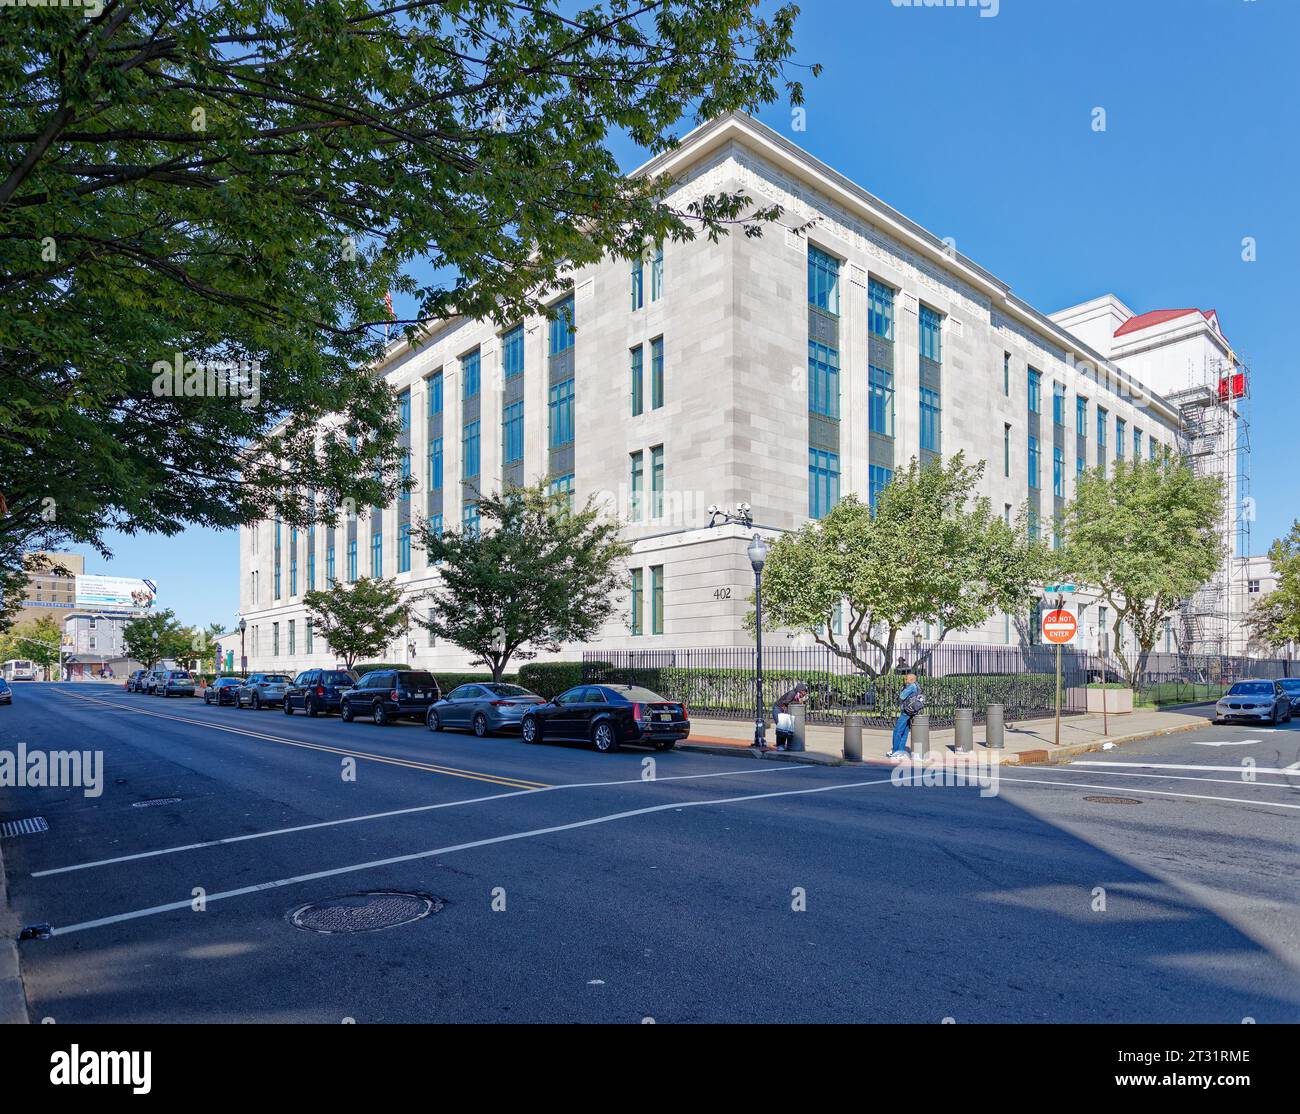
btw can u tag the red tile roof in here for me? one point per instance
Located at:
(1158, 316)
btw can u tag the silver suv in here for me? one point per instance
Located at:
(174, 682)
(262, 690)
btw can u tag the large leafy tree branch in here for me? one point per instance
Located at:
(536, 576)
(931, 552)
(1146, 535)
(358, 620)
(1275, 619)
(245, 180)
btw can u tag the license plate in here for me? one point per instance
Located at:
(664, 717)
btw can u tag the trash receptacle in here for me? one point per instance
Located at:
(963, 723)
(797, 713)
(853, 737)
(994, 727)
(921, 735)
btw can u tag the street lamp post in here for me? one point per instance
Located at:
(757, 551)
(243, 660)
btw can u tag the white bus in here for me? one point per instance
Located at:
(19, 669)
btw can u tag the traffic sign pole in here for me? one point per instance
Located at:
(1058, 694)
(1060, 628)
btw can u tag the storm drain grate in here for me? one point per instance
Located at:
(156, 801)
(30, 826)
(1113, 800)
(365, 912)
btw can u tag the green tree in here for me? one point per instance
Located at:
(1146, 536)
(244, 181)
(537, 576)
(1275, 619)
(931, 552)
(358, 621)
(37, 640)
(156, 637)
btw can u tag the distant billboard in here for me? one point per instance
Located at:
(115, 593)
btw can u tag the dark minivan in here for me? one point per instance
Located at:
(608, 716)
(389, 694)
(318, 690)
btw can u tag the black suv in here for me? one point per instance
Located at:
(608, 716)
(318, 690)
(389, 694)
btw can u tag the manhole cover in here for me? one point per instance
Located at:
(1113, 800)
(156, 801)
(364, 912)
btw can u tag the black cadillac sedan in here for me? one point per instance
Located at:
(608, 716)
(224, 690)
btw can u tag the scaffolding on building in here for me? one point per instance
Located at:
(1215, 441)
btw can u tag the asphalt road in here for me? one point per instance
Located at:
(573, 889)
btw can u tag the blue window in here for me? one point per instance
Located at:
(878, 478)
(1006, 378)
(931, 420)
(1137, 445)
(563, 485)
(1034, 468)
(823, 281)
(1121, 431)
(377, 554)
(512, 353)
(638, 592)
(880, 401)
(311, 558)
(1151, 448)
(1058, 472)
(561, 336)
(405, 493)
(657, 274)
(329, 564)
(823, 482)
(352, 559)
(1058, 404)
(1006, 449)
(404, 410)
(404, 547)
(435, 464)
(656, 373)
(637, 481)
(469, 519)
(1080, 466)
(561, 407)
(470, 366)
(931, 334)
(435, 524)
(470, 451)
(823, 380)
(1102, 419)
(880, 310)
(435, 393)
(293, 561)
(1033, 536)
(1081, 416)
(1035, 391)
(657, 481)
(638, 387)
(638, 284)
(512, 432)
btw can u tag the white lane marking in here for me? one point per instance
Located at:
(1180, 777)
(773, 769)
(1226, 743)
(1192, 766)
(414, 856)
(1156, 792)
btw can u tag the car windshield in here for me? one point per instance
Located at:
(1290, 683)
(338, 678)
(417, 680)
(638, 695)
(508, 690)
(1251, 688)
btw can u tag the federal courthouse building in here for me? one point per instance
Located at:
(784, 371)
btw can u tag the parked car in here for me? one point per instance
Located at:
(1254, 702)
(318, 690)
(149, 682)
(174, 682)
(1291, 686)
(134, 680)
(608, 716)
(483, 708)
(6, 693)
(389, 694)
(224, 690)
(262, 690)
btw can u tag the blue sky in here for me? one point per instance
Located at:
(980, 128)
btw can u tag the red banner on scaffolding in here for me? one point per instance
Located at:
(1232, 386)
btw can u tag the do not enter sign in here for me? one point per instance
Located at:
(1059, 627)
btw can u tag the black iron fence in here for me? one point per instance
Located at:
(721, 682)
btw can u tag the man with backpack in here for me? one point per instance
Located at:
(911, 702)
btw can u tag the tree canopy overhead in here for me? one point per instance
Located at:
(243, 180)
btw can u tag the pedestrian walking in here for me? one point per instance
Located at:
(781, 714)
(911, 701)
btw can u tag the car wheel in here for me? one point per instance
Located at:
(605, 737)
(530, 730)
(480, 725)
(380, 715)
(257, 701)
(308, 708)
(345, 711)
(288, 708)
(433, 721)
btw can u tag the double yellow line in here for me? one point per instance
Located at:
(427, 767)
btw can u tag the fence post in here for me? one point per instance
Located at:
(963, 722)
(853, 738)
(798, 714)
(993, 727)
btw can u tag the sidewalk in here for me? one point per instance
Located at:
(1026, 742)
(13, 1003)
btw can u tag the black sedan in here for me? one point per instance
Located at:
(318, 690)
(608, 716)
(483, 708)
(224, 690)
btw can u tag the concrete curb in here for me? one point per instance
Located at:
(1054, 755)
(13, 1002)
(803, 757)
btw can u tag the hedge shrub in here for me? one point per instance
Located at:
(550, 678)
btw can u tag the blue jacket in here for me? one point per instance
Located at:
(908, 690)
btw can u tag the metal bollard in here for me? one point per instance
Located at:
(993, 727)
(798, 714)
(852, 738)
(963, 724)
(921, 735)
